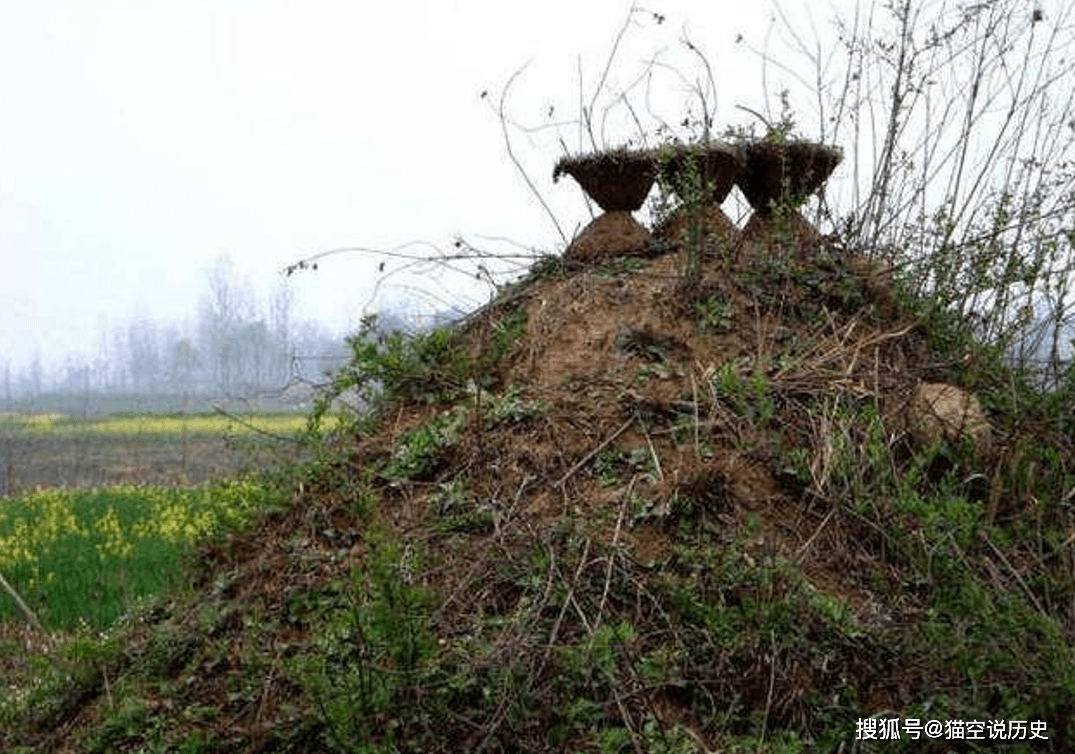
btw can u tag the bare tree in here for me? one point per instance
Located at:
(280, 314)
(220, 321)
(145, 361)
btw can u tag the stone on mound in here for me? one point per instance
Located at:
(939, 411)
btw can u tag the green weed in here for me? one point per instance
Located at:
(459, 511)
(750, 397)
(510, 407)
(418, 452)
(687, 184)
(373, 655)
(387, 369)
(615, 466)
(714, 314)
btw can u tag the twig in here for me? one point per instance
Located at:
(108, 689)
(574, 583)
(1015, 573)
(515, 160)
(23, 607)
(400, 252)
(817, 531)
(604, 443)
(615, 542)
(694, 402)
(259, 430)
(626, 716)
(759, 116)
(587, 113)
(653, 454)
(769, 696)
(570, 600)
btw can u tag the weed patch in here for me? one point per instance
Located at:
(389, 369)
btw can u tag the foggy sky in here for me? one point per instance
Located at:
(142, 141)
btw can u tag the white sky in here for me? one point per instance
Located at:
(142, 139)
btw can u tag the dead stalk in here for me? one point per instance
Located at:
(586, 459)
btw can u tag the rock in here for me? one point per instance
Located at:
(939, 411)
(878, 281)
(784, 173)
(709, 168)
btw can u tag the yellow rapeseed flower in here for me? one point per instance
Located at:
(115, 545)
(17, 547)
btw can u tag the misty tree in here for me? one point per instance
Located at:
(101, 370)
(76, 381)
(251, 349)
(317, 353)
(7, 384)
(35, 376)
(117, 359)
(280, 310)
(76, 377)
(144, 357)
(244, 350)
(220, 323)
(183, 367)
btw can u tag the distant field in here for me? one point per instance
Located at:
(57, 450)
(154, 424)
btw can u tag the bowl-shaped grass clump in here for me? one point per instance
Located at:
(618, 180)
(785, 173)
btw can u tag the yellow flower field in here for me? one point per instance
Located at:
(88, 555)
(166, 424)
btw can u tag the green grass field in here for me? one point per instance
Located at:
(95, 511)
(83, 557)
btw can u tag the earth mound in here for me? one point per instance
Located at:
(624, 507)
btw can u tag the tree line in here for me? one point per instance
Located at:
(235, 349)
